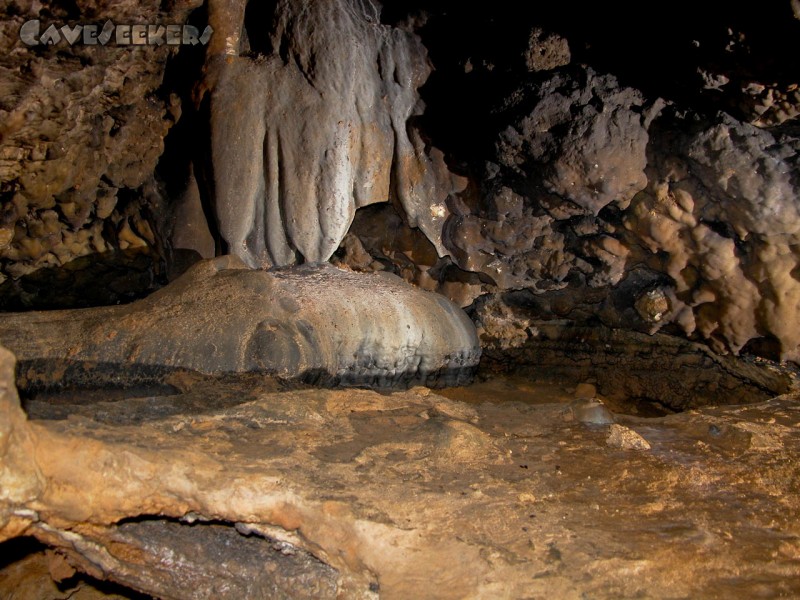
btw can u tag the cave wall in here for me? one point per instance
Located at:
(664, 198)
(554, 166)
(82, 128)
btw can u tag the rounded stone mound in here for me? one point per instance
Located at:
(315, 323)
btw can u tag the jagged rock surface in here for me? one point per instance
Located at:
(572, 145)
(380, 240)
(720, 218)
(311, 114)
(317, 323)
(81, 131)
(406, 495)
(600, 205)
(569, 151)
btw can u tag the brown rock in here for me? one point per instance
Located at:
(402, 495)
(546, 51)
(626, 438)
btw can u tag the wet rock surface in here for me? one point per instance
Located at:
(660, 369)
(316, 323)
(413, 494)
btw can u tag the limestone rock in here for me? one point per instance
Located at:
(568, 146)
(632, 365)
(585, 391)
(581, 137)
(721, 209)
(356, 494)
(546, 51)
(81, 131)
(311, 123)
(20, 479)
(705, 243)
(318, 323)
(380, 240)
(768, 106)
(591, 412)
(626, 438)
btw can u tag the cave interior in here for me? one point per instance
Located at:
(361, 299)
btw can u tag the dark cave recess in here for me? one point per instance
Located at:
(661, 50)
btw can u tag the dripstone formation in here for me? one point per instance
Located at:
(232, 270)
(318, 324)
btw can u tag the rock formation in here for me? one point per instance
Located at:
(355, 494)
(574, 144)
(596, 204)
(318, 323)
(720, 218)
(82, 129)
(579, 191)
(309, 120)
(615, 208)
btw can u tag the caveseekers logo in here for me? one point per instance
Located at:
(121, 35)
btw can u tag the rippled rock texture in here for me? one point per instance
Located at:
(310, 109)
(314, 323)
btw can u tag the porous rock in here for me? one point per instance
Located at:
(641, 216)
(626, 438)
(81, 130)
(720, 218)
(573, 144)
(546, 51)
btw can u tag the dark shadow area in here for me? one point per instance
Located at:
(647, 375)
(115, 277)
(479, 55)
(186, 161)
(398, 381)
(25, 572)
(379, 238)
(258, 23)
(182, 74)
(215, 558)
(17, 549)
(123, 393)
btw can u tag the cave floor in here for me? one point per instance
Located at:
(409, 495)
